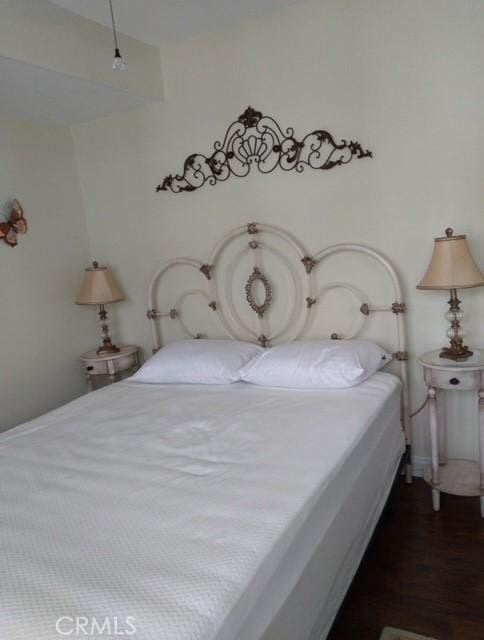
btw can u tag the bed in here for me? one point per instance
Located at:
(200, 512)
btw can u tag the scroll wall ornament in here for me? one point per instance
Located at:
(257, 140)
(15, 224)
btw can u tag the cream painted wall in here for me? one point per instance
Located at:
(404, 78)
(42, 332)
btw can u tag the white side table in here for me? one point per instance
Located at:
(458, 477)
(110, 364)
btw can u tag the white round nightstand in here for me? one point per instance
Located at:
(458, 477)
(111, 364)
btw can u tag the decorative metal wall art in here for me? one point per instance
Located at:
(15, 224)
(257, 140)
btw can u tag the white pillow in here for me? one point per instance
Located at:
(198, 362)
(326, 364)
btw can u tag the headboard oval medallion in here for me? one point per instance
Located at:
(255, 276)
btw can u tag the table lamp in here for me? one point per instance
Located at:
(100, 287)
(452, 267)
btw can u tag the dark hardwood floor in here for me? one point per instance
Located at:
(423, 571)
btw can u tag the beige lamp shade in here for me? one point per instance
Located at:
(451, 265)
(99, 287)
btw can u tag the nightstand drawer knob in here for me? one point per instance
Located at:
(454, 381)
(89, 368)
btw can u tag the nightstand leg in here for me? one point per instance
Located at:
(111, 372)
(137, 363)
(434, 446)
(440, 399)
(481, 444)
(436, 499)
(88, 382)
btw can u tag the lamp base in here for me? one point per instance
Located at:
(107, 346)
(106, 349)
(457, 352)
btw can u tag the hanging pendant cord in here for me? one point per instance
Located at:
(114, 25)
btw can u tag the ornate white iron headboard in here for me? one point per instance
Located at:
(248, 316)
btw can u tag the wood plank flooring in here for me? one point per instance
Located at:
(423, 571)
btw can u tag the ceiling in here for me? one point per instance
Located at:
(49, 97)
(159, 21)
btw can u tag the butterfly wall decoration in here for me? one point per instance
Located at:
(15, 224)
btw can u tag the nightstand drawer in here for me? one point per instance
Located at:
(96, 368)
(445, 379)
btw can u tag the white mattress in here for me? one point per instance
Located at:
(176, 505)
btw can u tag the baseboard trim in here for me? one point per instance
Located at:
(419, 464)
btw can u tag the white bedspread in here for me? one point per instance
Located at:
(166, 504)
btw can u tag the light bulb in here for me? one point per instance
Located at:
(119, 63)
